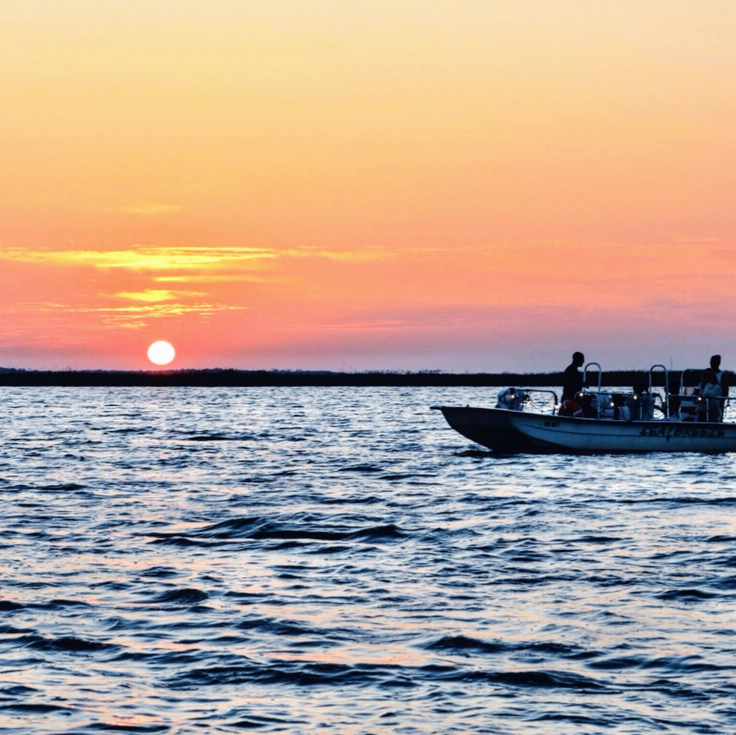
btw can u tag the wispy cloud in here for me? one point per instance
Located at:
(142, 258)
(363, 255)
(142, 296)
(156, 295)
(138, 315)
(163, 259)
(365, 325)
(218, 278)
(132, 317)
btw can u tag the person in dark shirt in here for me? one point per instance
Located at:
(572, 378)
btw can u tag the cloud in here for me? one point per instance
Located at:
(344, 256)
(214, 258)
(365, 325)
(142, 258)
(135, 316)
(218, 278)
(155, 295)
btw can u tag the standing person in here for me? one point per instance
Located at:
(572, 378)
(714, 375)
(710, 391)
(715, 364)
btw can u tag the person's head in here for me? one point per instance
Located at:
(715, 362)
(578, 358)
(640, 385)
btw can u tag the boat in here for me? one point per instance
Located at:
(529, 420)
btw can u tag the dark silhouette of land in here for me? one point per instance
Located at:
(261, 378)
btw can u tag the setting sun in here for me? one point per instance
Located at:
(161, 353)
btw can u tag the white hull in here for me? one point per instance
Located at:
(519, 431)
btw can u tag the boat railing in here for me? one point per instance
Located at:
(688, 404)
(600, 374)
(612, 403)
(540, 400)
(539, 403)
(664, 403)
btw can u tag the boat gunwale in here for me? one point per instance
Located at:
(506, 436)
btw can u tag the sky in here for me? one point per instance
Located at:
(465, 185)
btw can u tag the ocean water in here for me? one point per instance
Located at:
(329, 560)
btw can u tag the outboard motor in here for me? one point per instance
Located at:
(512, 399)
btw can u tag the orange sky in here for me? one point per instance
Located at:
(414, 184)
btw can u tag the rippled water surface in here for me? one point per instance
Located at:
(327, 560)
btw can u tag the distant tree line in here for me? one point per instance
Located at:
(265, 378)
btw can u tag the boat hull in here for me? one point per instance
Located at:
(518, 431)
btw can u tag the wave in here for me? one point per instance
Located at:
(64, 644)
(532, 679)
(28, 708)
(217, 437)
(380, 675)
(187, 596)
(63, 487)
(16, 690)
(8, 606)
(362, 468)
(687, 595)
(258, 528)
(466, 644)
(309, 674)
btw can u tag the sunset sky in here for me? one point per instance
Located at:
(359, 184)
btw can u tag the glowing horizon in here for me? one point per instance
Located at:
(472, 186)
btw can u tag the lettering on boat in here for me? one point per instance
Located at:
(551, 423)
(686, 432)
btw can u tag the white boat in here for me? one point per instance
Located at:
(511, 427)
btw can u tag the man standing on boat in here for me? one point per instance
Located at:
(572, 378)
(708, 386)
(715, 364)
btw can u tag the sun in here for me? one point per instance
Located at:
(161, 353)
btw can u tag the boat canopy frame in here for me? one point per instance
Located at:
(666, 402)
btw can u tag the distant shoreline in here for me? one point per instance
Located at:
(292, 378)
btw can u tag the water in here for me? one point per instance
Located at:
(325, 560)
